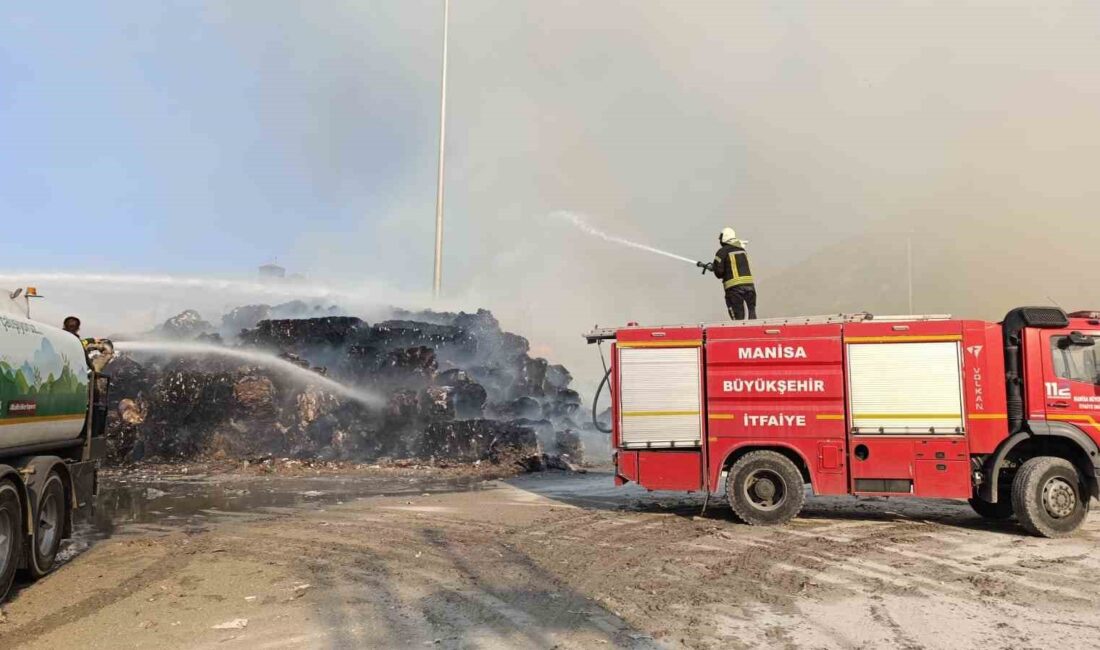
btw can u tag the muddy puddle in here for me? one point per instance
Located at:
(140, 505)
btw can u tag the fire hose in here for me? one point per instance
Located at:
(707, 267)
(596, 399)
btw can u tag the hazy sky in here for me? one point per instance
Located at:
(209, 137)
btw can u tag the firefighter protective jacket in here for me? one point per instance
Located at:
(731, 266)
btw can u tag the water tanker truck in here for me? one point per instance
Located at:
(52, 417)
(1005, 415)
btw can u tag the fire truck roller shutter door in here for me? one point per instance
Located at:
(661, 397)
(906, 388)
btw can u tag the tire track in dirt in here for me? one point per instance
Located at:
(166, 567)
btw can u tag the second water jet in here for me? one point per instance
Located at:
(178, 348)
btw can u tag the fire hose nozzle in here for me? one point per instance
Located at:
(706, 266)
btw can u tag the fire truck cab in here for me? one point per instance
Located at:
(1005, 415)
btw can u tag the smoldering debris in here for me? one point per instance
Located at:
(456, 389)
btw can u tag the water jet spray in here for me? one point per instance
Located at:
(177, 348)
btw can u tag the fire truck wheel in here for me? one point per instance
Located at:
(995, 511)
(765, 488)
(1049, 497)
(11, 535)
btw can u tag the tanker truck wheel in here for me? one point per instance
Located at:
(11, 535)
(765, 488)
(1050, 497)
(49, 525)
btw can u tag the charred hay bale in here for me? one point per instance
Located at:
(255, 396)
(544, 430)
(402, 409)
(524, 407)
(492, 340)
(467, 396)
(408, 366)
(246, 438)
(473, 440)
(313, 403)
(563, 405)
(132, 411)
(360, 362)
(497, 381)
(437, 403)
(532, 377)
(184, 407)
(303, 334)
(557, 377)
(517, 446)
(568, 443)
(492, 343)
(451, 344)
(124, 430)
(129, 379)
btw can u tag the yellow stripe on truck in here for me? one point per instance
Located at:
(903, 339)
(1087, 419)
(908, 416)
(660, 344)
(657, 414)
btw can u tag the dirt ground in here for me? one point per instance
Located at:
(559, 560)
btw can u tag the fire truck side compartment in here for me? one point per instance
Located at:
(671, 470)
(866, 407)
(782, 387)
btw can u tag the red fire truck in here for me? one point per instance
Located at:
(1005, 414)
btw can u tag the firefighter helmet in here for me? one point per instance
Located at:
(727, 236)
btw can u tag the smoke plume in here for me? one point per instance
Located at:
(828, 133)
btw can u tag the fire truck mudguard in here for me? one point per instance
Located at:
(1056, 439)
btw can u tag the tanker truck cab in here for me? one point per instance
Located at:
(1003, 415)
(52, 419)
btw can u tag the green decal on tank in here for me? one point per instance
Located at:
(36, 379)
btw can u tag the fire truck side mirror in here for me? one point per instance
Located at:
(1078, 339)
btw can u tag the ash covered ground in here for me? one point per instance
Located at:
(453, 388)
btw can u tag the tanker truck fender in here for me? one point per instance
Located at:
(35, 471)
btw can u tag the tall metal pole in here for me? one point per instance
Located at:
(438, 281)
(909, 256)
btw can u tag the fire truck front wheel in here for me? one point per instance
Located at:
(1049, 497)
(765, 488)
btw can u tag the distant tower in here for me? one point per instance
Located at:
(272, 272)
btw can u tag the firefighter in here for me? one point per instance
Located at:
(72, 326)
(731, 266)
(97, 351)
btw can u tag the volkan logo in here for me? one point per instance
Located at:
(976, 350)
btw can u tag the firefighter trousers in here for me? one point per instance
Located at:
(740, 300)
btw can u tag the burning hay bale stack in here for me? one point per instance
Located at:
(451, 388)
